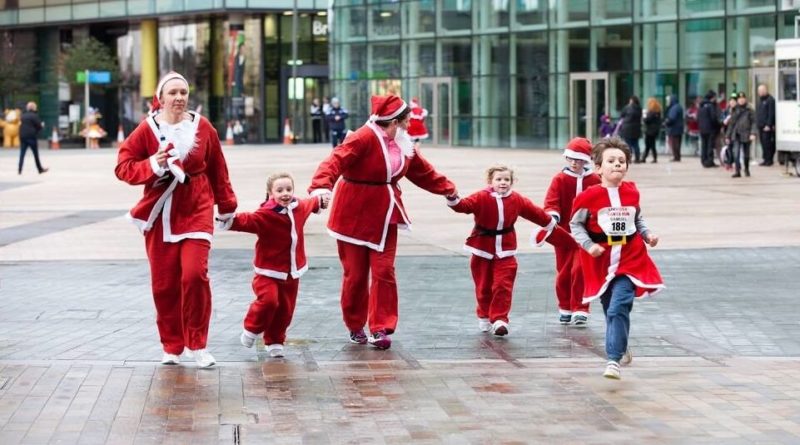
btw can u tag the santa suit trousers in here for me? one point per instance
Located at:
(569, 281)
(273, 308)
(494, 284)
(181, 289)
(369, 285)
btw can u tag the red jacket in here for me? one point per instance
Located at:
(186, 208)
(280, 249)
(495, 215)
(564, 187)
(368, 193)
(416, 123)
(630, 259)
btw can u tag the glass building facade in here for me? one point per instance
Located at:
(533, 73)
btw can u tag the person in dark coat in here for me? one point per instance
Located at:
(335, 118)
(652, 126)
(631, 128)
(708, 119)
(765, 119)
(741, 133)
(29, 128)
(674, 126)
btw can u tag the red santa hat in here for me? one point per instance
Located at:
(579, 148)
(172, 75)
(386, 108)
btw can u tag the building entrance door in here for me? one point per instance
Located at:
(436, 96)
(588, 93)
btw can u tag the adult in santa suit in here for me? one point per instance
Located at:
(416, 123)
(176, 155)
(367, 210)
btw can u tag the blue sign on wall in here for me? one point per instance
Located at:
(94, 76)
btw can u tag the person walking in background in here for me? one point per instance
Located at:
(606, 126)
(316, 121)
(741, 133)
(336, 118)
(631, 129)
(692, 126)
(708, 121)
(674, 125)
(652, 127)
(765, 117)
(29, 128)
(326, 108)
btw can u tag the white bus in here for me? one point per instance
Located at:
(787, 101)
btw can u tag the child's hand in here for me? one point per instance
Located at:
(453, 196)
(652, 240)
(324, 200)
(596, 250)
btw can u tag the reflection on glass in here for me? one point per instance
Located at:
(456, 14)
(787, 80)
(531, 12)
(704, 43)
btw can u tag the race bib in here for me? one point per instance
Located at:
(617, 221)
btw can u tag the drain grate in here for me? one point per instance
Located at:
(237, 434)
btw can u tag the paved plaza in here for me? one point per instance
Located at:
(716, 355)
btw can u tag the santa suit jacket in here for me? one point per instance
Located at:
(630, 259)
(416, 123)
(564, 187)
(280, 249)
(368, 194)
(185, 193)
(493, 235)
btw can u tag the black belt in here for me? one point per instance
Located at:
(485, 231)
(358, 181)
(611, 240)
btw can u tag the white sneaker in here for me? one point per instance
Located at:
(188, 353)
(484, 324)
(612, 370)
(170, 359)
(247, 338)
(203, 358)
(627, 358)
(500, 328)
(275, 350)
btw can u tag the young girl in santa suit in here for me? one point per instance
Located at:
(493, 243)
(177, 156)
(568, 183)
(416, 122)
(280, 259)
(607, 222)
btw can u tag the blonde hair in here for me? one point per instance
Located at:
(274, 177)
(498, 168)
(653, 106)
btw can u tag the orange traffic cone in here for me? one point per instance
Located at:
(120, 135)
(54, 143)
(229, 135)
(288, 135)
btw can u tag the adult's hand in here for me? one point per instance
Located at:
(161, 158)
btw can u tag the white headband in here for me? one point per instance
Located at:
(167, 78)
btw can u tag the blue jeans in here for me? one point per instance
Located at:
(617, 304)
(337, 136)
(634, 146)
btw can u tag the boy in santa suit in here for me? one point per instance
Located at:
(568, 183)
(416, 123)
(176, 213)
(493, 243)
(367, 210)
(280, 260)
(607, 222)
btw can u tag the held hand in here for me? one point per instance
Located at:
(596, 250)
(324, 200)
(453, 196)
(652, 240)
(161, 158)
(752, 137)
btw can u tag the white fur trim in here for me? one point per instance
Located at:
(584, 313)
(549, 228)
(576, 155)
(157, 169)
(478, 252)
(223, 222)
(358, 242)
(454, 202)
(318, 192)
(375, 117)
(281, 275)
(563, 312)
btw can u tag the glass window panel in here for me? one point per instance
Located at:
(419, 17)
(491, 132)
(30, 3)
(532, 56)
(140, 7)
(456, 57)
(492, 53)
(8, 17)
(129, 55)
(352, 61)
(531, 12)
(31, 15)
(463, 96)
(533, 97)
(614, 48)
(751, 41)
(493, 100)
(750, 6)
(199, 5)
(569, 12)
(385, 20)
(492, 14)
(58, 13)
(701, 8)
(703, 42)
(789, 4)
(659, 46)
(115, 8)
(698, 83)
(787, 80)
(647, 10)
(419, 58)
(532, 132)
(659, 85)
(385, 61)
(456, 15)
(169, 6)
(85, 11)
(55, 2)
(611, 11)
(236, 3)
(579, 56)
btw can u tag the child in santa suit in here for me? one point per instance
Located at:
(367, 210)
(493, 243)
(280, 259)
(176, 155)
(568, 183)
(416, 123)
(607, 222)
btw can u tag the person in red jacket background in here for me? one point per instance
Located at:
(493, 243)
(416, 124)
(367, 210)
(280, 260)
(177, 156)
(568, 183)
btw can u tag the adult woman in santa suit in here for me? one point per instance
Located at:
(177, 156)
(367, 211)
